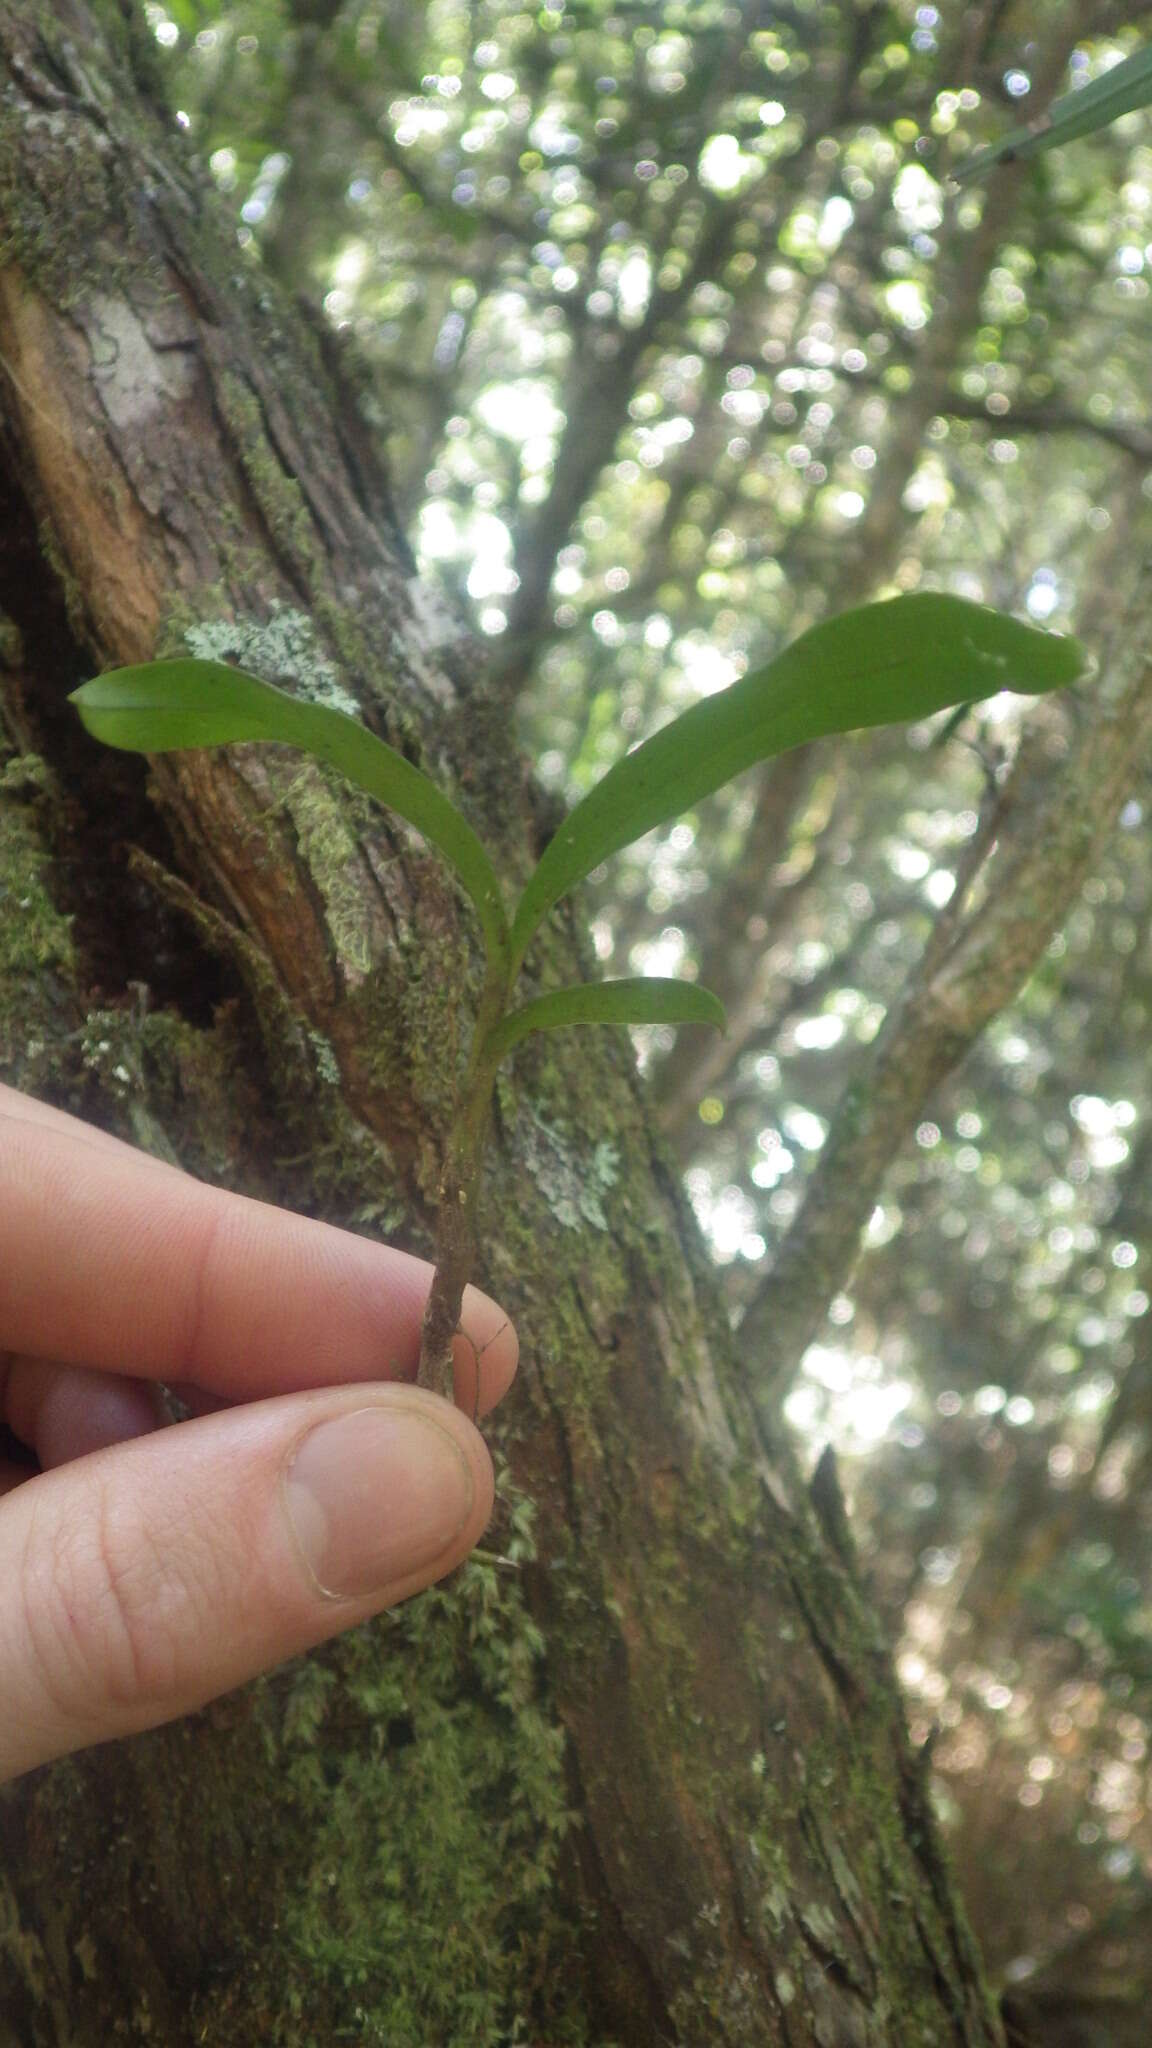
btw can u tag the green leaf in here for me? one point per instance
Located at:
(645, 1000)
(1120, 91)
(166, 705)
(882, 663)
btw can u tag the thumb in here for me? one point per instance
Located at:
(139, 1582)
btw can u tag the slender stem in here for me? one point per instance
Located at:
(459, 1194)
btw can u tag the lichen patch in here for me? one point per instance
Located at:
(134, 378)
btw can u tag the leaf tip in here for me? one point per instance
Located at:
(717, 1014)
(1072, 662)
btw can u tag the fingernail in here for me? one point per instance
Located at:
(374, 1496)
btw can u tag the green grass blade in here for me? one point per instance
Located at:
(1121, 90)
(166, 705)
(646, 1000)
(878, 665)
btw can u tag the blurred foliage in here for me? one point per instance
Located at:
(680, 339)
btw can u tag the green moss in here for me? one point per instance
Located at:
(193, 1082)
(54, 179)
(11, 643)
(323, 821)
(434, 1825)
(31, 235)
(56, 559)
(23, 1947)
(414, 1021)
(327, 1065)
(36, 956)
(843, 1787)
(278, 495)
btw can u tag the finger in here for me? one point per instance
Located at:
(111, 1261)
(143, 1581)
(27, 1109)
(63, 1412)
(477, 1384)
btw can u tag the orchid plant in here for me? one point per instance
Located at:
(898, 660)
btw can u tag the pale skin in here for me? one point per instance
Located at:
(146, 1568)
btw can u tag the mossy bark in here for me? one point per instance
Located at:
(639, 1774)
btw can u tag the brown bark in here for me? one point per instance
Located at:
(643, 1777)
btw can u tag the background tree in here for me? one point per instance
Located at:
(679, 339)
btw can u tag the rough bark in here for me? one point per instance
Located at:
(641, 1774)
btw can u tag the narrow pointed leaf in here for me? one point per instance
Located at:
(166, 705)
(646, 1000)
(1121, 90)
(880, 664)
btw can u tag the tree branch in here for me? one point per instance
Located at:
(1051, 822)
(732, 957)
(1130, 435)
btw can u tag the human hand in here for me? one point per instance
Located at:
(144, 1569)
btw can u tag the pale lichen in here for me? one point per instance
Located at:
(572, 1182)
(327, 1066)
(283, 648)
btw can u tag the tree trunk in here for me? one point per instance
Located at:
(639, 1773)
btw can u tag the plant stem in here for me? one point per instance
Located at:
(459, 1196)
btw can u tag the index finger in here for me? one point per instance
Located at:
(108, 1262)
